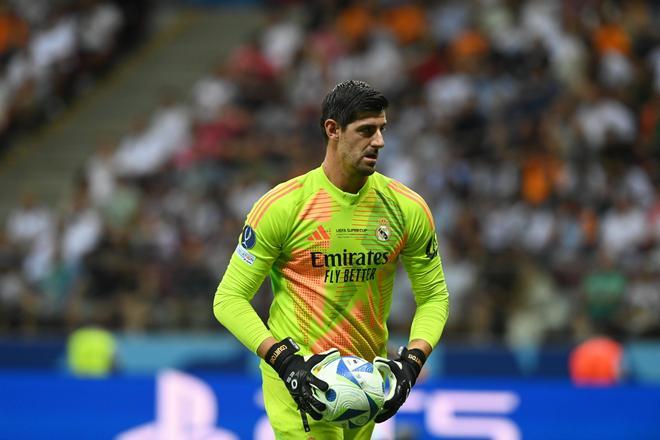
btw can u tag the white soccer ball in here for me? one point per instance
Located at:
(356, 391)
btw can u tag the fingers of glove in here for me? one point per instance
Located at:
(402, 391)
(318, 383)
(313, 414)
(379, 360)
(315, 405)
(410, 374)
(384, 415)
(395, 400)
(311, 402)
(324, 357)
(390, 407)
(330, 351)
(310, 408)
(385, 367)
(393, 403)
(395, 366)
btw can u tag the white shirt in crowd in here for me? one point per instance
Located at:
(623, 228)
(80, 235)
(605, 117)
(143, 153)
(99, 27)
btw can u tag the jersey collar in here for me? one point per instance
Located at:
(342, 196)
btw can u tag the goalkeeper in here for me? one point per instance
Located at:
(330, 241)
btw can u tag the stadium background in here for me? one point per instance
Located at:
(135, 136)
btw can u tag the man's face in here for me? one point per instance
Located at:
(359, 143)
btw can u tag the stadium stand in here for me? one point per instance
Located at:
(532, 128)
(51, 51)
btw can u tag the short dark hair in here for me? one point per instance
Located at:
(347, 100)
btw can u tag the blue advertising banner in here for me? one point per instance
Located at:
(177, 405)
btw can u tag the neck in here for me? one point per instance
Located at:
(342, 179)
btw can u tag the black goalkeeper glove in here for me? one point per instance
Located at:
(402, 374)
(296, 372)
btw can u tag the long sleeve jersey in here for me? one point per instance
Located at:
(331, 257)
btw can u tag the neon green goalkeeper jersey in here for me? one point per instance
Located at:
(331, 257)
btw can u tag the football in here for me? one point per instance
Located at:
(355, 394)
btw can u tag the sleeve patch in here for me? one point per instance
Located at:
(245, 255)
(432, 247)
(248, 237)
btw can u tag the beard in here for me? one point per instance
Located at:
(365, 167)
(366, 170)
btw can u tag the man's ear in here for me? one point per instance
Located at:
(332, 129)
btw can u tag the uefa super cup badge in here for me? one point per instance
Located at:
(383, 231)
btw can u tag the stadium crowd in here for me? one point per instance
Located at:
(531, 127)
(51, 51)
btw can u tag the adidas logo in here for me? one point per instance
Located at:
(319, 235)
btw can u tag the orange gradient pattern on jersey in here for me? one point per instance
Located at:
(405, 191)
(308, 287)
(268, 199)
(320, 208)
(356, 334)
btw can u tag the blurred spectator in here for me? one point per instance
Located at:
(100, 174)
(81, 228)
(281, 41)
(13, 31)
(540, 311)
(100, 23)
(212, 93)
(623, 228)
(29, 221)
(31, 229)
(602, 120)
(604, 288)
(407, 21)
(153, 143)
(13, 285)
(643, 303)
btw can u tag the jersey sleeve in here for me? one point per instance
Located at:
(258, 246)
(422, 263)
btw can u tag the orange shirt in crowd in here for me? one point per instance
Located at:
(611, 37)
(539, 175)
(407, 22)
(13, 32)
(355, 22)
(469, 44)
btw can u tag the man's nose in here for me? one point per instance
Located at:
(378, 141)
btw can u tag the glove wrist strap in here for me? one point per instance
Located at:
(413, 357)
(279, 353)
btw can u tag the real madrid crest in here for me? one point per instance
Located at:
(383, 231)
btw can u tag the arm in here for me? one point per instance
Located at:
(420, 344)
(258, 247)
(232, 308)
(422, 262)
(424, 267)
(265, 345)
(245, 273)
